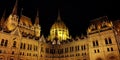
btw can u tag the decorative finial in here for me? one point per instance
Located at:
(37, 12)
(21, 11)
(58, 18)
(37, 17)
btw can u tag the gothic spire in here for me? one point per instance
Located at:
(3, 18)
(58, 18)
(14, 11)
(37, 17)
(21, 11)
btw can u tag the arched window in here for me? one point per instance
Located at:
(14, 44)
(21, 45)
(106, 42)
(110, 41)
(6, 42)
(2, 42)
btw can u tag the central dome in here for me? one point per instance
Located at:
(58, 24)
(59, 30)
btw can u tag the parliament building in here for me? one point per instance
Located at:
(20, 39)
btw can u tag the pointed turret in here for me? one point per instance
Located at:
(14, 12)
(37, 18)
(42, 38)
(21, 11)
(58, 18)
(37, 26)
(3, 18)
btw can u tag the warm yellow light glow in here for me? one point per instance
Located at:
(12, 22)
(60, 30)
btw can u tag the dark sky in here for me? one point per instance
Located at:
(76, 14)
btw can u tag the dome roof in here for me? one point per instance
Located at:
(59, 24)
(59, 30)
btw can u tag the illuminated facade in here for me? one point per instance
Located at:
(22, 40)
(59, 30)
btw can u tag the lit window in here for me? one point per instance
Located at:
(95, 43)
(14, 44)
(72, 48)
(2, 42)
(28, 47)
(41, 49)
(67, 49)
(98, 51)
(95, 51)
(82, 54)
(20, 53)
(111, 49)
(23, 53)
(106, 42)
(78, 48)
(27, 54)
(110, 41)
(6, 42)
(36, 48)
(82, 47)
(85, 53)
(24, 46)
(108, 49)
(0, 51)
(75, 48)
(21, 45)
(30, 54)
(12, 52)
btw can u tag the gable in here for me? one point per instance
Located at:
(16, 32)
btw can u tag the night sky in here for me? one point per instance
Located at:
(76, 14)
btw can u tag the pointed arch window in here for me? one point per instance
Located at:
(108, 41)
(95, 43)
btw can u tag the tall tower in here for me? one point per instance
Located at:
(37, 26)
(12, 20)
(2, 20)
(60, 28)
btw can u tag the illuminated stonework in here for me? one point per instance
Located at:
(59, 30)
(21, 40)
